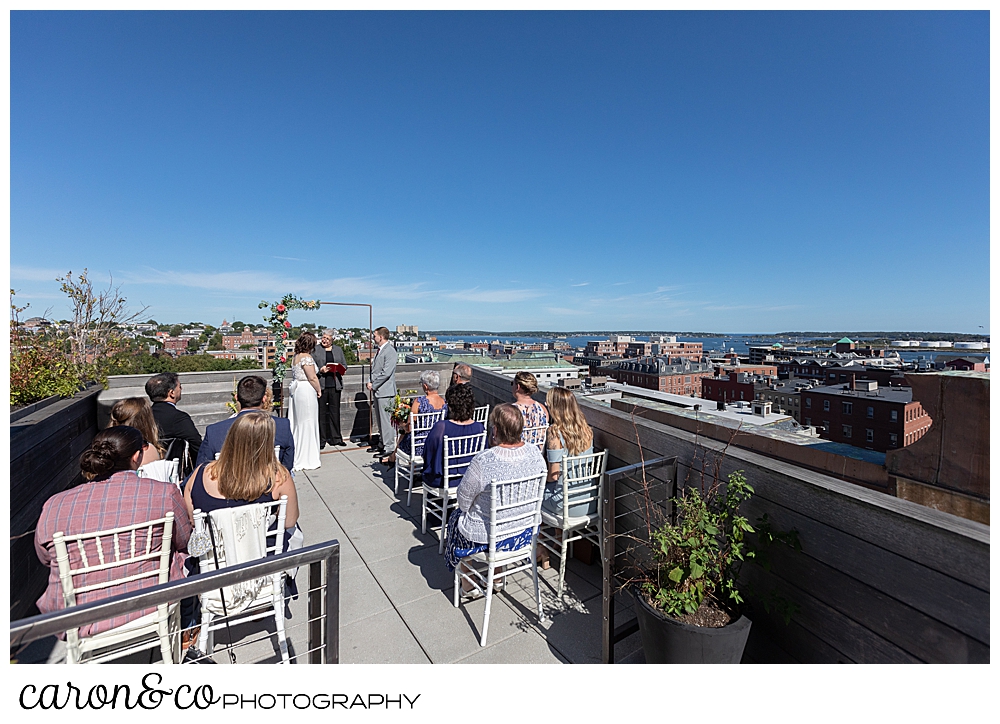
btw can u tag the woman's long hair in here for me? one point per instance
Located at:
(247, 467)
(565, 418)
(138, 413)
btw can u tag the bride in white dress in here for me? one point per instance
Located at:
(303, 404)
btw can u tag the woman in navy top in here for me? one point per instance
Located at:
(461, 406)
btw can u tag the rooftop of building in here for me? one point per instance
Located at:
(890, 394)
(660, 366)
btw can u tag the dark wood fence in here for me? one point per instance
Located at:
(879, 579)
(45, 449)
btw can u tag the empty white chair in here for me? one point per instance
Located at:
(410, 460)
(481, 414)
(516, 504)
(249, 600)
(457, 452)
(535, 436)
(107, 550)
(167, 471)
(580, 513)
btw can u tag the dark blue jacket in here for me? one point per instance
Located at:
(215, 435)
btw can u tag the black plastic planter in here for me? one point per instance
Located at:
(667, 641)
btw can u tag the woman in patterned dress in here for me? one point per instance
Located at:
(534, 412)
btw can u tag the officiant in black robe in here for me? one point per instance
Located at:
(328, 356)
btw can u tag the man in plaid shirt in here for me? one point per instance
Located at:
(120, 499)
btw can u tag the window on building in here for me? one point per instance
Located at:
(741, 394)
(893, 439)
(826, 425)
(846, 429)
(826, 405)
(871, 412)
(847, 407)
(893, 416)
(869, 435)
(809, 421)
(809, 402)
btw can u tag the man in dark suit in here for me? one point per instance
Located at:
(252, 393)
(327, 355)
(164, 390)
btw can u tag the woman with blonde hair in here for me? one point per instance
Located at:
(246, 472)
(569, 435)
(534, 413)
(137, 412)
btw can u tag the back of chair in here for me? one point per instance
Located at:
(166, 471)
(261, 532)
(420, 425)
(582, 478)
(481, 414)
(101, 557)
(535, 436)
(516, 505)
(458, 453)
(178, 449)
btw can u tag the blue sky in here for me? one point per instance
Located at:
(724, 172)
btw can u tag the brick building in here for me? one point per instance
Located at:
(728, 388)
(236, 341)
(784, 396)
(865, 415)
(693, 351)
(655, 373)
(759, 370)
(966, 363)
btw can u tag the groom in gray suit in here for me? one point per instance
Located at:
(383, 384)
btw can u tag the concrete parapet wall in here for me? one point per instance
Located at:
(878, 579)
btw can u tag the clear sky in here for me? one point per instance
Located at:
(723, 172)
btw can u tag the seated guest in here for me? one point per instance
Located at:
(136, 412)
(509, 459)
(461, 405)
(165, 392)
(246, 471)
(569, 435)
(252, 393)
(430, 401)
(461, 374)
(115, 496)
(534, 413)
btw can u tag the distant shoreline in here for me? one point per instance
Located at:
(925, 336)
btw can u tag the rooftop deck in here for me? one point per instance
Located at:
(396, 601)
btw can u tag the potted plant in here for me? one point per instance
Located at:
(688, 602)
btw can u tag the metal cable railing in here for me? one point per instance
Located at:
(322, 621)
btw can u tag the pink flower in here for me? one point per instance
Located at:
(280, 307)
(282, 358)
(284, 335)
(288, 324)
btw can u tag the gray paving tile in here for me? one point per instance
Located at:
(360, 596)
(366, 513)
(576, 591)
(448, 633)
(379, 639)
(388, 540)
(524, 648)
(419, 573)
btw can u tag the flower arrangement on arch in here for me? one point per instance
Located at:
(279, 323)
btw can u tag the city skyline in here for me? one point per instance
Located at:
(722, 172)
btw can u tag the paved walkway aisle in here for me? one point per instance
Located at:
(396, 591)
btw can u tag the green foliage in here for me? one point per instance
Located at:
(699, 555)
(215, 343)
(176, 330)
(154, 364)
(349, 354)
(193, 345)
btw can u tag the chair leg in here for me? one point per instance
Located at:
(163, 618)
(279, 617)
(206, 630)
(395, 488)
(409, 490)
(562, 562)
(534, 578)
(489, 600)
(444, 525)
(458, 585)
(423, 514)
